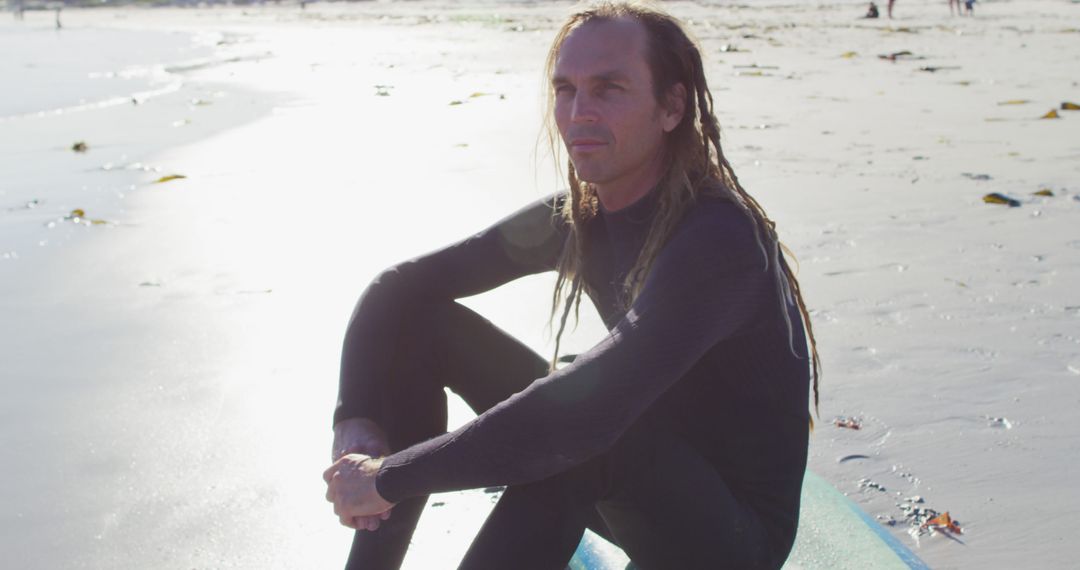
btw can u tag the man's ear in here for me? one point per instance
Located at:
(674, 107)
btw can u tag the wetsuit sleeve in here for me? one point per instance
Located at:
(526, 242)
(707, 285)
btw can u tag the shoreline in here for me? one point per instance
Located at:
(161, 105)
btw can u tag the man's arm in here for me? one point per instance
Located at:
(528, 241)
(708, 284)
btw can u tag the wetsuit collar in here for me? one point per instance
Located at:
(638, 211)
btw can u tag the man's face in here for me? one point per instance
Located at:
(605, 108)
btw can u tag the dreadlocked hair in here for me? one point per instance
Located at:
(696, 166)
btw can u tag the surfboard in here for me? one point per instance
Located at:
(834, 534)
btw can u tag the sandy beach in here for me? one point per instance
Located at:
(173, 295)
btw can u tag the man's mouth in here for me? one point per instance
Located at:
(586, 145)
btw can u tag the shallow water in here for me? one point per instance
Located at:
(50, 70)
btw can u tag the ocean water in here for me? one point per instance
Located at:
(46, 70)
(80, 84)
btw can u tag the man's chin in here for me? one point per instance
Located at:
(588, 175)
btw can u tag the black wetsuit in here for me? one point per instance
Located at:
(681, 436)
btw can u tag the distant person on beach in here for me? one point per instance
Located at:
(969, 7)
(891, 2)
(682, 435)
(956, 4)
(871, 12)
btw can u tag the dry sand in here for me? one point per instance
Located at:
(167, 378)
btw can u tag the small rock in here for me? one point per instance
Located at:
(847, 423)
(868, 484)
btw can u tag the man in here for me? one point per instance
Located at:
(682, 435)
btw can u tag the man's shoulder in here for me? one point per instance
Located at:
(537, 227)
(715, 232)
(719, 217)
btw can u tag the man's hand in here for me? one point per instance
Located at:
(363, 436)
(351, 487)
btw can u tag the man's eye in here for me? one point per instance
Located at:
(563, 89)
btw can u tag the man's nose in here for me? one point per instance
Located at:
(584, 108)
